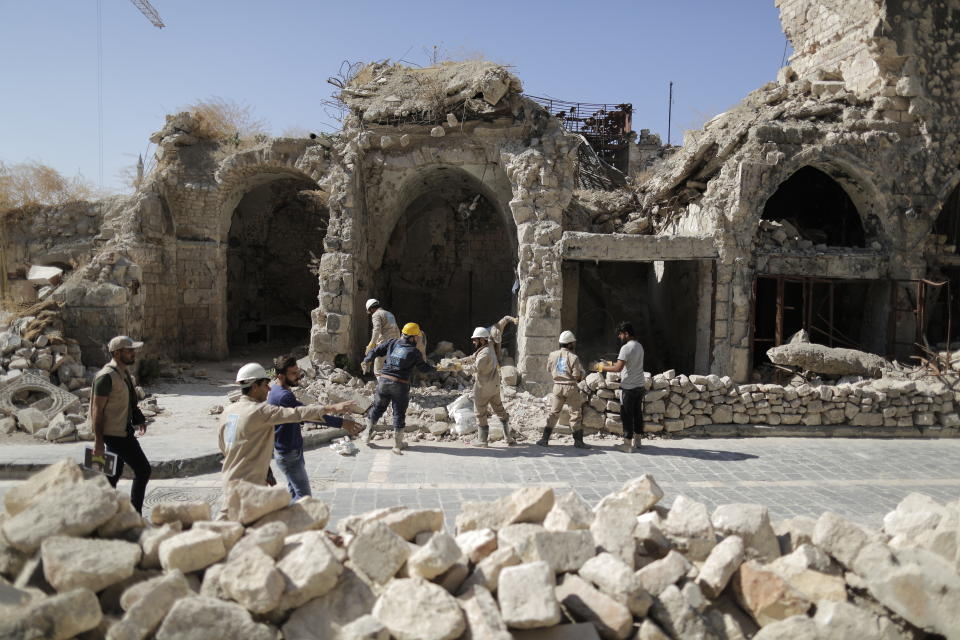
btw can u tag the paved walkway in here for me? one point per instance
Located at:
(861, 479)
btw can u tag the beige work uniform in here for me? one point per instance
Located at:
(496, 335)
(565, 368)
(384, 328)
(486, 386)
(247, 437)
(116, 411)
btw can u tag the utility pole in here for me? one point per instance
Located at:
(669, 112)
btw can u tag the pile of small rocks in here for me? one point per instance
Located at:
(779, 235)
(532, 564)
(36, 344)
(677, 402)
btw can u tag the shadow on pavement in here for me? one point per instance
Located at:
(699, 454)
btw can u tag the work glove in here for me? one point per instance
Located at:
(599, 367)
(370, 346)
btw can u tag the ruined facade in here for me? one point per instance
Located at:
(821, 202)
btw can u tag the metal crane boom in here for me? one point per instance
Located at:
(147, 9)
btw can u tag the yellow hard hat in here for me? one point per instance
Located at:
(411, 329)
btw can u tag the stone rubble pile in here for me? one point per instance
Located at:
(777, 235)
(77, 561)
(677, 402)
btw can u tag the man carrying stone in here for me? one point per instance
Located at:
(384, 328)
(632, 385)
(563, 365)
(246, 429)
(401, 356)
(486, 387)
(114, 414)
(288, 437)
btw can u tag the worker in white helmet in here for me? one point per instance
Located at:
(486, 387)
(384, 328)
(247, 434)
(563, 365)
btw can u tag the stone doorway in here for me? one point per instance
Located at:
(943, 320)
(276, 231)
(450, 261)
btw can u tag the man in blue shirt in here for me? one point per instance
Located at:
(393, 388)
(288, 438)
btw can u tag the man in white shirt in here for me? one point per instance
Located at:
(632, 385)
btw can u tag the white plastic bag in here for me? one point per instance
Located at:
(465, 421)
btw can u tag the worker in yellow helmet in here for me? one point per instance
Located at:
(401, 357)
(384, 328)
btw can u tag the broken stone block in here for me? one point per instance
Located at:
(839, 537)
(487, 573)
(793, 532)
(484, 621)
(527, 596)
(766, 596)
(252, 580)
(71, 563)
(199, 618)
(364, 628)
(187, 512)
(751, 522)
(564, 551)
(39, 274)
(915, 514)
(72, 510)
(268, 538)
(913, 583)
(577, 631)
(649, 537)
(530, 504)
(453, 578)
(308, 568)
(436, 556)
(518, 536)
(326, 615)
(509, 376)
(797, 627)
(210, 586)
(477, 544)
(407, 523)
(150, 540)
(191, 550)
(306, 514)
(229, 531)
(689, 528)
(414, 609)
(569, 512)
(842, 620)
(378, 552)
(721, 564)
(59, 474)
(30, 420)
(143, 616)
(612, 576)
(677, 617)
(650, 631)
(611, 618)
(125, 519)
(834, 361)
(613, 527)
(658, 575)
(58, 617)
(248, 502)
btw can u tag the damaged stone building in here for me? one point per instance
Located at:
(827, 201)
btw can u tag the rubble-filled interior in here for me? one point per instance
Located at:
(276, 230)
(449, 263)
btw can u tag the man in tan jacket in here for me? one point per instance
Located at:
(486, 387)
(564, 367)
(246, 429)
(384, 328)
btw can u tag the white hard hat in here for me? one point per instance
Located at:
(480, 332)
(372, 302)
(567, 337)
(250, 373)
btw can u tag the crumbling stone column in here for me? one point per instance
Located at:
(542, 179)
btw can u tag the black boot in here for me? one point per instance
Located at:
(578, 440)
(545, 437)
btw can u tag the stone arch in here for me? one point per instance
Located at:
(271, 225)
(446, 254)
(844, 170)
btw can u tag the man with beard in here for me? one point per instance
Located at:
(288, 438)
(629, 365)
(114, 414)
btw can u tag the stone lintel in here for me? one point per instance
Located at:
(621, 247)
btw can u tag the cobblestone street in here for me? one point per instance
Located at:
(861, 479)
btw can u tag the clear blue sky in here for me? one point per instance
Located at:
(276, 57)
